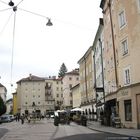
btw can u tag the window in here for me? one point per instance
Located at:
(70, 94)
(57, 95)
(124, 45)
(128, 110)
(57, 88)
(127, 76)
(70, 78)
(122, 21)
(138, 4)
(70, 85)
(70, 102)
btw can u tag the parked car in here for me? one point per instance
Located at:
(12, 117)
(5, 118)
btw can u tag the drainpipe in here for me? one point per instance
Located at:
(114, 53)
(95, 80)
(86, 80)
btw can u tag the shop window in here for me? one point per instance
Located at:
(128, 110)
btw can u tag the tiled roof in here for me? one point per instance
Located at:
(31, 78)
(73, 72)
(1, 85)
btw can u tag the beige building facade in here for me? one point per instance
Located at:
(122, 51)
(34, 94)
(76, 96)
(58, 93)
(69, 80)
(86, 82)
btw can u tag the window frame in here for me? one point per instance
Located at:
(124, 47)
(122, 19)
(128, 110)
(127, 76)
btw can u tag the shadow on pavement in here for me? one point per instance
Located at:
(94, 136)
(3, 131)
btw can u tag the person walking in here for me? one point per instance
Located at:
(22, 119)
(113, 119)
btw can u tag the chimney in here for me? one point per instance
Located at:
(30, 76)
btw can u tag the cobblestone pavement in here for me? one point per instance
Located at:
(41, 130)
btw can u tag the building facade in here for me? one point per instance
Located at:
(99, 69)
(34, 94)
(121, 43)
(69, 80)
(86, 82)
(76, 96)
(9, 106)
(15, 111)
(57, 91)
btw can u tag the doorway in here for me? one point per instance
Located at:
(138, 109)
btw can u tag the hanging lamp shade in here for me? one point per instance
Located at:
(11, 3)
(49, 23)
(15, 8)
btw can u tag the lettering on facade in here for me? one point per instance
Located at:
(124, 93)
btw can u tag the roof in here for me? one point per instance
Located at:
(73, 72)
(1, 85)
(85, 55)
(102, 4)
(100, 27)
(31, 78)
(9, 100)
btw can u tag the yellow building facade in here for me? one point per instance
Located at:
(15, 103)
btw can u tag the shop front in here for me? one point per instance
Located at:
(128, 99)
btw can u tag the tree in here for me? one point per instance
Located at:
(62, 71)
(2, 106)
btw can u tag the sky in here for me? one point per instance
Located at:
(39, 49)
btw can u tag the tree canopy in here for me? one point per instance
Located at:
(2, 106)
(63, 70)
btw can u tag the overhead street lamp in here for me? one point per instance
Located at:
(15, 8)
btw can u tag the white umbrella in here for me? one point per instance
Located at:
(77, 109)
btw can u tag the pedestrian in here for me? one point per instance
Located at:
(22, 119)
(113, 119)
(16, 118)
(83, 120)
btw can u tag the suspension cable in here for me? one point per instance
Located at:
(3, 2)
(6, 23)
(19, 2)
(5, 9)
(33, 13)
